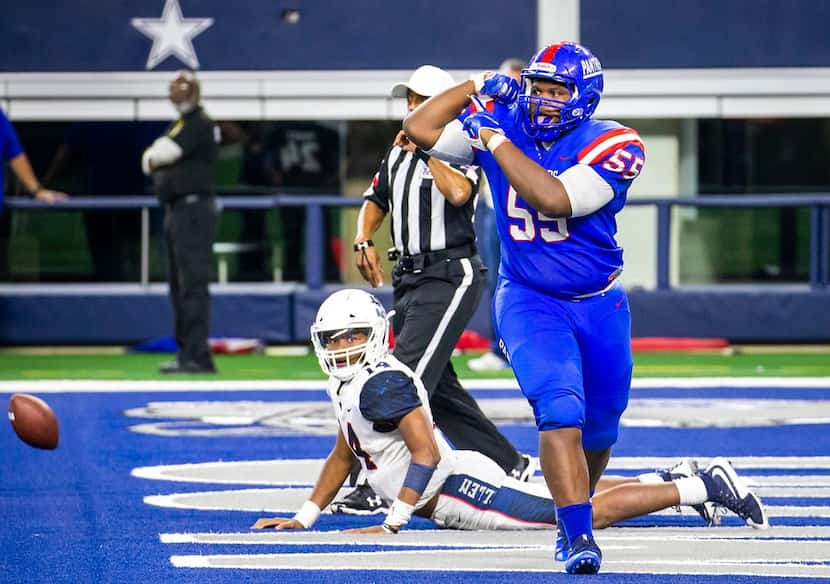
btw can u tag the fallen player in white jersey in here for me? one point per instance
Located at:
(385, 421)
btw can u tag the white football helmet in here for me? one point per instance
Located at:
(344, 312)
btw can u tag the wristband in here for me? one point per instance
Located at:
(417, 477)
(496, 141)
(391, 528)
(308, 514)
(360, 246)
(399, 515)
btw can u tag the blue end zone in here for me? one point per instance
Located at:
(77, 515)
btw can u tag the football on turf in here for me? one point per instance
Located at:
(33, 421)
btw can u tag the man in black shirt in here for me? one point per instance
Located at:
(183, 164)
(437, 281)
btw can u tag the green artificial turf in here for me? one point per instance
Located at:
(21, 366)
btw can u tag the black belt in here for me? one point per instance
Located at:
(416, 263)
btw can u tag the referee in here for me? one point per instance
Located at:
(183, 165)
(437, 281)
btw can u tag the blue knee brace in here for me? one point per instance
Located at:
(602, 429)
(559, 410)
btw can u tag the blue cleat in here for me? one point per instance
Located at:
(585, 556)
(727, 489)
(560, 553)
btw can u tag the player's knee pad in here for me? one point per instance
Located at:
(559, 410)
(602, 428)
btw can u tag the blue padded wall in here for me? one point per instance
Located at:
(283, 315)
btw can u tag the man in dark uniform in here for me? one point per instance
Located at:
(437, 280)
(183, 165)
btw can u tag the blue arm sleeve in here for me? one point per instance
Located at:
(388, 396)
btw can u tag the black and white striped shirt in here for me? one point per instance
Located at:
(422, 218)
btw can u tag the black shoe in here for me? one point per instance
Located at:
(726, 488)
(361, 501)
(525, 469)
(185, 367)
(688, 467)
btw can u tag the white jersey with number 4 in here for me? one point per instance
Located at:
(368, 408)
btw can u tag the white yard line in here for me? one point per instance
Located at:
(105, 386)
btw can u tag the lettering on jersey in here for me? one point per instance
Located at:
(354, 444)
(474, 490)
(591, 67)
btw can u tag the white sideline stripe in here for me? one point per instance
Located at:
(104, 386)
(267, 538)
(436, 538)
(445, 320)
(752, 566)
(302, 472)
(312, 561)
(281, 500)
(797, 481)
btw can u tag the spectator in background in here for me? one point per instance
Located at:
(302, 158)
(306, 159)
(183, 165)
(489, 246)
(12, 151)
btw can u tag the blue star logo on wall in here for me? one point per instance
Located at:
(172, 35)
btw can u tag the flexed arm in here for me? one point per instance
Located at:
(453, 184)
(425, 125)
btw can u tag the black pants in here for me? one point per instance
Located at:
(190, 228)
(431, 310)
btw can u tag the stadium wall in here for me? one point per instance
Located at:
(282, 314)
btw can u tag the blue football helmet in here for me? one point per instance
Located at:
(575, 67)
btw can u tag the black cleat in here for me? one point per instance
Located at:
(361, 501)
(726, 488)
(173, 367)
(525, 469)
(688, 467)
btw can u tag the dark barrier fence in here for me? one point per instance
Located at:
(818, 204)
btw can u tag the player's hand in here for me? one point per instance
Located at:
(502, 88)
(368, 263)
(371, 529)
(478, 122)
(404, 143)
(49, 196)
(277, 523)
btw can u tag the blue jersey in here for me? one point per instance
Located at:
(565, 257)
(9, 148)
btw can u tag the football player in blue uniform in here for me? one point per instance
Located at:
(386, 424)
(558, 178)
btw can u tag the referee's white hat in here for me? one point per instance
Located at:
(426, 80)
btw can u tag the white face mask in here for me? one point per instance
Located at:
(185, 107)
